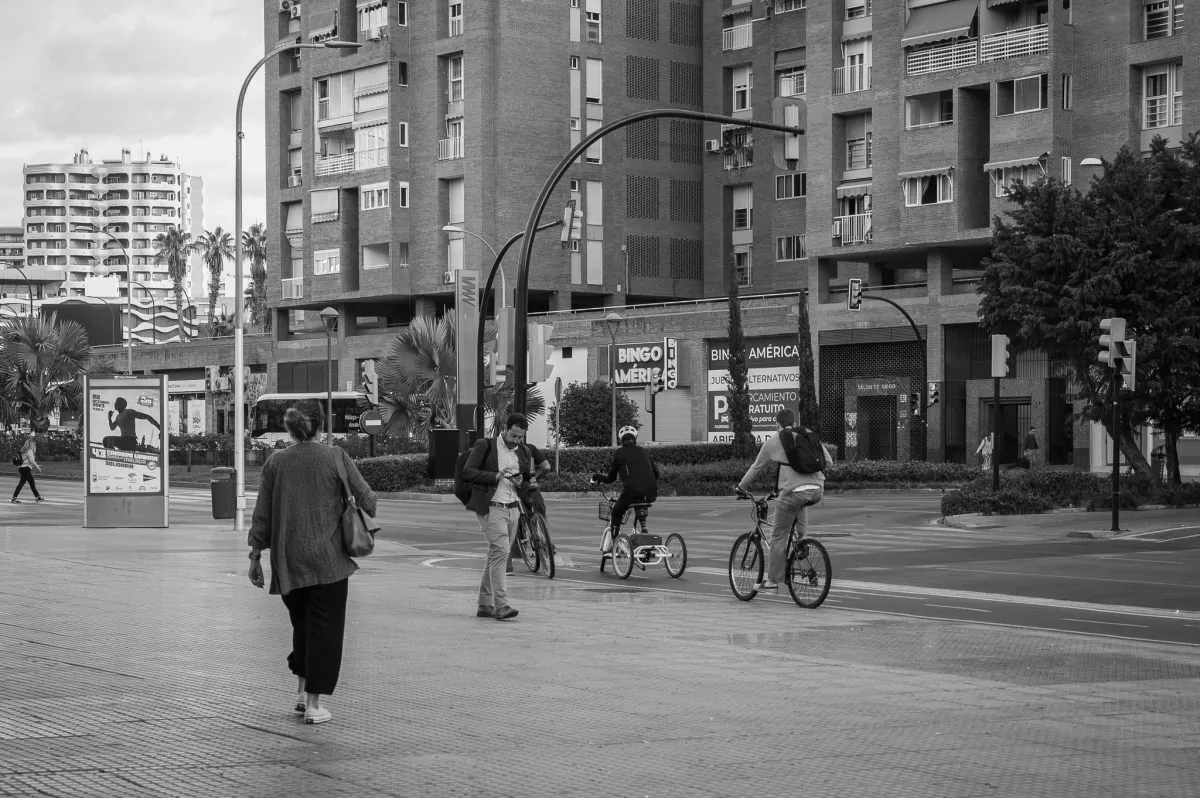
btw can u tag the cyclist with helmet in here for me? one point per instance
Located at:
(639, 475)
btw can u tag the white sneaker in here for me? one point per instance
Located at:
(606, 543)
(318, 715)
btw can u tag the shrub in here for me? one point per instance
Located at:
(1181, 495)
(586, 413)
(359, 446)
(978, 498)
(53, 446)
(394, 472)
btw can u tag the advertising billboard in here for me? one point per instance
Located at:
(641, 364)
(125, 450)
(773, 379)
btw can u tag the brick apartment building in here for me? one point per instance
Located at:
(919, 114)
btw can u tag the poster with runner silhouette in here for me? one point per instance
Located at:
(125, 443)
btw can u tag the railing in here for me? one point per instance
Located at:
(853, 229)
(1156, 112)
(335, 165)
(849, 79)
(740, 158)
(293, 287)
(924, 125)
(955, 55)
(370, 159)
(449, 149)
(792, 85)
(737, 38)
(1015, 43)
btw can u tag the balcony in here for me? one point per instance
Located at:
(293, 287)
(1015, 43)
(449, 149)
(335, 165)
(942, 58)
(371, 159)
(849, 79)
(792, 85)
(737, 38)
(853, 229)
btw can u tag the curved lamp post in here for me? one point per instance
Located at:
(104, 269)
(150, 294)
(613, 321)
(28, 284)
(239, 356)
(329, 317)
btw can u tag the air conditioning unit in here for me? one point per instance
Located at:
(295, 181)
(712, 145)
(374, 34)
(285, 6)
(295, 11)
(448, 278)
(837, 228)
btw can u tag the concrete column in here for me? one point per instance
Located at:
(280, 327)
(560, 299)
(875, 274)
(424, 306)
(939, 277)
(818, 279)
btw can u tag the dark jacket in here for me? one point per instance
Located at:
(636, 469)
(483, 470)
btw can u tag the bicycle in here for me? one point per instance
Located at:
(640, 548)
(809, 572)
(533, 541)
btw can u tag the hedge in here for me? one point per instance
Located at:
(52, 446)
(1027, 492)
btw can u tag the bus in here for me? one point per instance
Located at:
(269, 409)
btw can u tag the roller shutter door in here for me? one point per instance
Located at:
(673, 416)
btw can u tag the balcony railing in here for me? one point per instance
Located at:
(1015, 43)
(740, 158)
(449, 149)
(853, 229)
(293, 287)
(954, 55)
(335, 165)
(371, 159)
(792, 85)
(849, 79)
(737, 38)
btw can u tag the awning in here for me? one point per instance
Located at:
(853, 190)
(992, 166)
(740, 8)
(323, 22)
(944, 170)
(863, 34)
(942, 21)
(994, 3)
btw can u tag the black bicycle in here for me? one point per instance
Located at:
(533, 541)
(809, 572)
(639, 547)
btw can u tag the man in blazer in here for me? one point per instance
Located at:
(497, 470)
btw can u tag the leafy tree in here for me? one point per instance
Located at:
(254, 248)
(172, 249)
(41, 360)
(586, 414)
(221, 325)
(810, 411)
(217, 247)
(739, 373)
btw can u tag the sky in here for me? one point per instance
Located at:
(151, 75)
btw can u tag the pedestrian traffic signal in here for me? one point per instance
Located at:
(915, 398)
(999, 355)
(854, 297)
(657, 383)
(505, 337)
(369, 383)
(789, 147)
(1112, 333)
(934, 394)
(540, 351)
(1127, 366)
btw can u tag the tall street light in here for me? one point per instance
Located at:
(612, 321)
(329, 317)
(150, 294)
(103, 269)
(453, 228)
(239, 356)
(28, 284)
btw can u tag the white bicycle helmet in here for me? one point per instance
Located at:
(628, 430)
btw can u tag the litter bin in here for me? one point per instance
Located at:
(1158, 461)
(224, 492)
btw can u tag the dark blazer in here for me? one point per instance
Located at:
(483, 470)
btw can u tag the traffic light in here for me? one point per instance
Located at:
(505, 337)
(568, 221)
(540, 351)
(999, 355)
(934, 394)
(657, 383)
(916, 404)
(1113, 333)
(1127, 369)
(369, 383)
(854, 296)
(789, 147)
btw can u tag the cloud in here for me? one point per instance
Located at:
(156, 75)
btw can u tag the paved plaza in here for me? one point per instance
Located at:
(146, 664)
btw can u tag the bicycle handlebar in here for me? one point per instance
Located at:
(745, 494)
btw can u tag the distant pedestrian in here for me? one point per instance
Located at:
(1031, 447)
(985, 452)
(28, 458)
(497, 468)
(297, 517)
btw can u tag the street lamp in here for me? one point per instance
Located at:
(111, 312)
(452, 228)
(150, 294)
(102, 270)
(612, 321)
(329, 317)
(1091, 162)
(28, 284)
(239, 356)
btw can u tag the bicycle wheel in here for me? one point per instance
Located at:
(545, 549)
(809, 574)
(529, 552)
(622, 556)
(745, 566)
(676, 555)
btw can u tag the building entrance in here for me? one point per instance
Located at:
(1014, 424)
(877, 417)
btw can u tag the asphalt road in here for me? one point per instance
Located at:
(889, 555)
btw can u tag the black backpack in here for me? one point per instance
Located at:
(803, 449)
(462, 489)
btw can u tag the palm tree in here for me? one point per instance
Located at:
(217, 246)
(221, 325)
(172, 249)
(41, 361)
(254, 247)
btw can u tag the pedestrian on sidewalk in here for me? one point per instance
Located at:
(28, 458)
(1031, 447)
(985, 452)
(298, 517)
(496, 470)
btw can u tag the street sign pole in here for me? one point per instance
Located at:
(995, 434)
(466, 306)
(557, 419)
(1116, 455)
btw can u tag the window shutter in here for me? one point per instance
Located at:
(284, 377)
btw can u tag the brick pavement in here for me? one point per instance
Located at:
(147, 665)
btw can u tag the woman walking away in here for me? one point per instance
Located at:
(297, 517)
(28, 458)
(985, 452)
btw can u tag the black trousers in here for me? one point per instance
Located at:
(630, 496)
(26, 476)
(318, 616)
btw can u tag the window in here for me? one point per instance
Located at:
(402, 194)
(790, 248)
(743, 207)
(402, 73)
(594, 153)
(592, 26)
(372, 16)
(575, 125)
(930, 110)
(791, 186)
(399, 253)
(858, 153)
(928, 190)
(595, 81)
(1004, 178)
(371, 147)
(402, 14)
(574, 184)
(743, 79)
(456, 19)
(856, 9)
(1162, 104)
(327, 261)
(1068, 92)
(454, 77)
(373, 197)
(1163, 18)
(743, 265)
(790, 82)
(784, 6)
(1066, 171)
(1022, 95)
(574, 62)
(402, 134)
